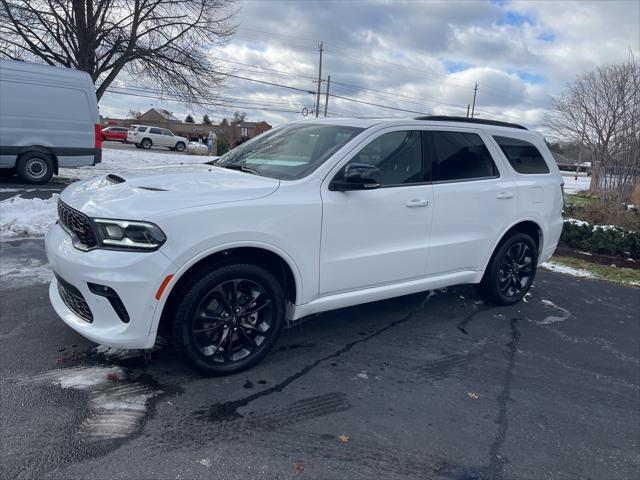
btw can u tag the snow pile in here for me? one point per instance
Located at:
(21, 217)
(576, 272)
(120, 160)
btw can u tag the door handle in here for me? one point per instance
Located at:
(416, 202)
(504, 195)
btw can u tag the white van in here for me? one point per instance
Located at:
(48, 119)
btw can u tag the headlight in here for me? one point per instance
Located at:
(128, 235)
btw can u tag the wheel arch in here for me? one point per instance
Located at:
(529, 226)
(267, 256)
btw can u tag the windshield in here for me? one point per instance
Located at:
(289, 152)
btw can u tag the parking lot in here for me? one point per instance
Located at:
(433, 385)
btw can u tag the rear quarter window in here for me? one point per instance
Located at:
(523, 156)
(142, 129)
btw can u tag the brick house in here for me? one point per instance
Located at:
(234, 133)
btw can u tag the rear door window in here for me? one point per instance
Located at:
(155, 131)
(459, 157)
(523, 156)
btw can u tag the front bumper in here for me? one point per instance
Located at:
(135, 277)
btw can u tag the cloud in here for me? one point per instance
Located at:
(421, 57)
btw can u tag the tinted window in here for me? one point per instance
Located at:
(167, 132)
(142, 129)
(157, 131)
(523, 156)
(398, 156)
(460, 156)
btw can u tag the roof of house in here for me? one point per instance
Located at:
(163, 113)
(559, 158)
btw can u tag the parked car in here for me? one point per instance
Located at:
(145, 136)
(115, 134)
(308, 217)
(48, 119)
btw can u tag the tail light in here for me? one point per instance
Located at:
(98, 136)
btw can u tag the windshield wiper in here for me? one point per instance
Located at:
(242, 168)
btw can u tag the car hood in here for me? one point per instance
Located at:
(143, 193)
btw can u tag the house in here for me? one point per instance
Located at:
(157, 115)
(234, 133)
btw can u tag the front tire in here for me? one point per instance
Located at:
(180, 146)
(35, 167)
(511, 270)
(229, 319)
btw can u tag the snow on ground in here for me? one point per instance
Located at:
(116, 405)
(576, 272)
(18, 272)
(571, 185)
(554, 318)
(21, 217)
(119, 160)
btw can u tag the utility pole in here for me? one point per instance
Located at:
(468, 107)
(319, 81)
(475, 91)
(326, 95)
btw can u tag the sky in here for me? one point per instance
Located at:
(416, 57)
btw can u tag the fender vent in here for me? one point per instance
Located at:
(115, 178)
(154, 189)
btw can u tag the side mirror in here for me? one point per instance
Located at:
(357, 176)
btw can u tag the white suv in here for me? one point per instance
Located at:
(145, 136)
(308, 217)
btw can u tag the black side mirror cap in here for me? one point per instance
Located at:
(357, 176)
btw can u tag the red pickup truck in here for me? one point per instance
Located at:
(115, 134)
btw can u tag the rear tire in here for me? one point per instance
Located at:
(35, 167)
(511, 270)
(146, 143)
(228, 320)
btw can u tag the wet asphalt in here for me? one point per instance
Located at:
(437, 385)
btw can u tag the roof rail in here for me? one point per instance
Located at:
(483, 121)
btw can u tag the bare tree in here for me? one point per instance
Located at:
(161, 44)
(601, 111)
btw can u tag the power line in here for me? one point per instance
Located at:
(359, 59)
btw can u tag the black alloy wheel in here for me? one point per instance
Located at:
(511, 271)
(229, 319)
(516, 269)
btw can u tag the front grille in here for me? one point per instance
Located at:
(72, 298)
(77, 225)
